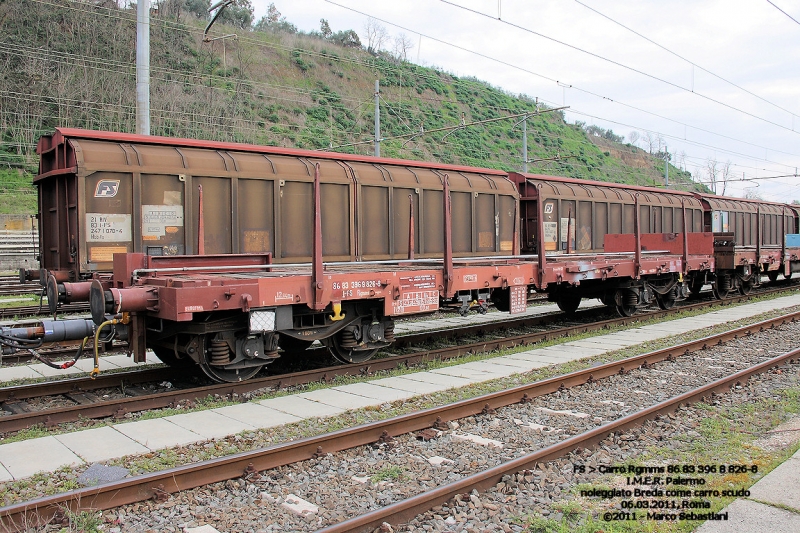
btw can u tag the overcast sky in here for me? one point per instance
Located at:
(619, 79)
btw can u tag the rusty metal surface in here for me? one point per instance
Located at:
(126, 193)
(143, 487)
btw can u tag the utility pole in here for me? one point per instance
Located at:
(666, 166)
(525, 144)
(143, 67)
(377, 119)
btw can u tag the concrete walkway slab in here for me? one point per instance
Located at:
(12, 373)
(209, 424)
(45, 454)
(410, 385)
(302, 407)
(599, 342)
(122, 361)
(256, 415)
(87, 365)
(158, 433)
(375, 391)
(520, 364)
(780, 487)
(745, 516)
(100, 444)
(464, 372)
(449, 382)
(339, 399)
(45, 371)
(569, 352)
(5, 475)
(494, 368)
(536, 358)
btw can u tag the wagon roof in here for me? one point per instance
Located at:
(62, 134)
(606, 184)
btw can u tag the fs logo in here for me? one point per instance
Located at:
(106, 189)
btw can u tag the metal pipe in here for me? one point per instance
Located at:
(143, 67)
(377, 118)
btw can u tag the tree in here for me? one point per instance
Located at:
(239, 14)
(751, 194)
(718, 173)
(325, 29)
(402, 45)
(198, 8)
(376, 36)
(273, 21)
(346, 38)
(634, 137)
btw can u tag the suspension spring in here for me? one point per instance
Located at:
(348, 339)
(388, 332)
(220, 353)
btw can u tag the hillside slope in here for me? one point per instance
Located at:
(72, 63)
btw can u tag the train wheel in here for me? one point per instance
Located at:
(345, 354)
(666, 301)
(568, 303)
(772, 275)
(721, 287)
(787, 276)
(746, 287)
(223, 375)
(629, 300)
(293, 345)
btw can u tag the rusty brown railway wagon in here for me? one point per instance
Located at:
(750, 237)
(103, 193)
(593, 220)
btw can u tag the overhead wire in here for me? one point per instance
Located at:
(619, 64)
(648, 39)
(782, 11)
(547, 78)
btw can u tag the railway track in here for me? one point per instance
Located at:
(11, 286)
(83, 398)
(247, 465)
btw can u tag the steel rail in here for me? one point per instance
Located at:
(409, 508)
(121, 406)
(159, 485)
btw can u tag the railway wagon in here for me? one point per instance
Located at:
(104, 193)
(751, 238)
(625, 245)
(221, 255)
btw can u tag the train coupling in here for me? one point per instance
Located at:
(46, 331)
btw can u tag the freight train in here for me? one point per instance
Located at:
(226, 256)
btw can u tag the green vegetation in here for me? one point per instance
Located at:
(72, 64)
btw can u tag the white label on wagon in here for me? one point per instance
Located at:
(108, 227)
